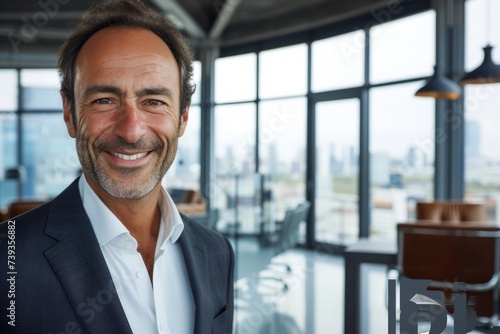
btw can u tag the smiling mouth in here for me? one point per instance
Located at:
(129, 157)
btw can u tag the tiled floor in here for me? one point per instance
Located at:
(312, 302)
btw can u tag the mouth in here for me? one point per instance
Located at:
(129, 157)
(122, 156)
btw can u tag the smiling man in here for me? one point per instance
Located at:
(111, 254)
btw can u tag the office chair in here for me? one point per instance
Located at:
(451, 212)
(287, 239)
(454, 253)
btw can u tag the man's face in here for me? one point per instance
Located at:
(127, 111)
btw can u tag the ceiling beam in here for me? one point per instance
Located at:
(189, 24)
(300, 19)
(20, 15)
(28, 35)
(28, 60)
(225, 15)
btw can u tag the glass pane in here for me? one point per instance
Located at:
(482, 157)
(235, 138)
(195, 99)
(41, 90)
(234, 166)
(338, 62)
(8, 87)
(282, 132)
(235, 78)
(481, 28)
(401, 155)
(8, 158)
(403, 49)
(184, 173)
(283, 72)
(49, 155)
(337, 170)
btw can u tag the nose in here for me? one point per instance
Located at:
(129, 124)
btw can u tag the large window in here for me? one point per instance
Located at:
(282, 125)
(401, 154)
(283, 72)
(403, 49)
(234, 186)
(337, 170)
(282, 132)
(40, 90)
(49, 158)
(8, 158)
(235, 78)
(482, 157)
(184, 173)
(338, 62)
(235, 142)
(281, 136)
(8, 87)
(8, 135)
(49, 155)
(481, 28)
(401, 125)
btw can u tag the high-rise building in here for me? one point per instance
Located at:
(472, 139)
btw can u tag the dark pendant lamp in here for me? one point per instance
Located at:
(440, 87)
(487, 72)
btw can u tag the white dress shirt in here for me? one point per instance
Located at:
(164, 306)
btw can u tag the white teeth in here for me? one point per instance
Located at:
(129, 157)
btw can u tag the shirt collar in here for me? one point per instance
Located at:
(171, 219)
(107, 226)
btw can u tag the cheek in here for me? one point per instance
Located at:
(93, 125)
(166, 128)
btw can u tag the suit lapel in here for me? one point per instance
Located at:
(195, 257)
(80, 266)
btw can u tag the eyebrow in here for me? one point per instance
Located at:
(156, 91)
(101, 89)
(117, 91)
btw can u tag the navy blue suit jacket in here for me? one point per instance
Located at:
(61, 283)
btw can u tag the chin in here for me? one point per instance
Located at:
(128, 187)
(128, 192)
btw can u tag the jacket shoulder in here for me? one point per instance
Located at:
(31, 220)
(210, 237)
(36, 219)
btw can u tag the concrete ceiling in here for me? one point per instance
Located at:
(31, 31)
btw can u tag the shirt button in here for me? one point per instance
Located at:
(140, 274)
(163, 327)
(130, 245)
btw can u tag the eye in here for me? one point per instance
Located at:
(103, 101)
(155, 103)
(103, 104)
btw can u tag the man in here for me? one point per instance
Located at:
(111, 254)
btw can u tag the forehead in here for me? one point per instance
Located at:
(128, 49)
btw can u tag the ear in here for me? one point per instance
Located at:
(183, 121)
(68, 116)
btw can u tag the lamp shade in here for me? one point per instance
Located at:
(487, 72)
(440, 87)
